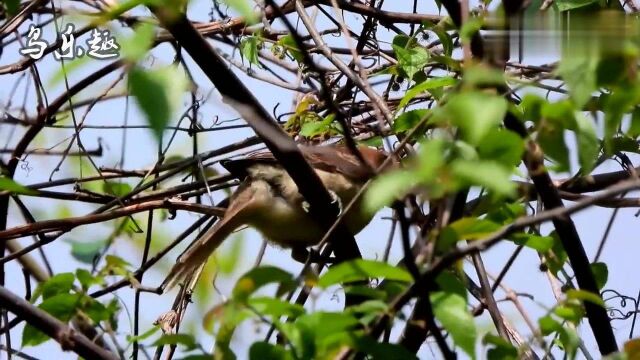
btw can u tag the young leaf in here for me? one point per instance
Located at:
(502, 349)
(503, 146)
(566, 5)
(186, 340)
(258, 277)
(411, 60)
(245, 9)
(86, 279)
(158, 93)
(12, 6)
(58, 284)
(469, 228)
(429, 84)
(585, 295)
(409, 119)
(362, 270)
(386, 188)
(7, 184)
(476, 114)
(588, 143)
(86, 251)
(144, 335)
(249, 49)
(539, 243)
(579, 73)
(601, 273)
(136, 47)
(289, 44)
(451, 310)
(275, 307)
(489, 174)
(61, 306)
(265, 351)
(118, 189)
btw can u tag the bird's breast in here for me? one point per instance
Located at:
(280, 216)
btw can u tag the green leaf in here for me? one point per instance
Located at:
(585, 296)
(361, 269)
(159, 94)
(450, 309)
(548, 325)
(144, 335)
(489, 174)
(322, 324)
(118, 189)
(570, 341)
(376, 350)
(431, 159)
(275, 307)
(551, 139)
(245, 9)
(469, 228)
(411, 60)
(601, 273)
(258, 277)
(86, 279)
(404, 41)
(61, 306)
(557, 257)
(96, 311)
(265, 351)
(503, 146)
(430, 84)
(481, 76)
(445, 39)
(289, 44)
(566, 5)
(137, 46)
(536, 242)
(12, 6)
(375, 141)
(616, 105)
(476, 114)
(249, 49)
(572, 313)
(7, 184)
(588, 143)
(386, 188)
(187, 340)
(634, 128)
(501, 213)
(579, 73)
(315, 128)
(624, 144)
(409, 120)
(469, 28)
(58, 284)
(115, 265)
(86, 251)
(502, 349)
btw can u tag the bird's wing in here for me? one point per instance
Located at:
(330, 158)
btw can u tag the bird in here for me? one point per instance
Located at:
(268, 200)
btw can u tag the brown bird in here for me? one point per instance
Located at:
(268, 200)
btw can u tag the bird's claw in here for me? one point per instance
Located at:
(335, 199)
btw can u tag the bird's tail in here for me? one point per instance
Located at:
(198, 253)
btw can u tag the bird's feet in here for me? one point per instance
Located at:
(301, 255)
(335, 199)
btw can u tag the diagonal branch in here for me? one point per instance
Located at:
(69, 339)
